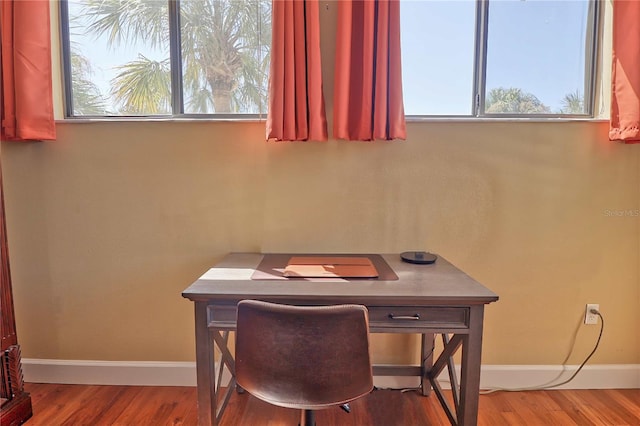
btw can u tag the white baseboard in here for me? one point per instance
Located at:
(151, 373)
(140, 373)
(597, 376)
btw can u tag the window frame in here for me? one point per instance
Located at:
(478, 95)
(478, 98)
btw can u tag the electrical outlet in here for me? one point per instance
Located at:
(591, 318)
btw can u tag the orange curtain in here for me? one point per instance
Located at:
(368, 76)
(26, 97)
(296, 101)
(625, 79)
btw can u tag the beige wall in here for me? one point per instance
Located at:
(111, 222)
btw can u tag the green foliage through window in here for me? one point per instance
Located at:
(221, 66)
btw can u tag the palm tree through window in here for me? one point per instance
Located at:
(121, 61)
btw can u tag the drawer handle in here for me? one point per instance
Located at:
(405, 317)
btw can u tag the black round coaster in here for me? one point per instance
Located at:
(418, 257)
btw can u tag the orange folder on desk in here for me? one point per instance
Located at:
(330, 267)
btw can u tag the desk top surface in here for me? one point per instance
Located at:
(438, 283)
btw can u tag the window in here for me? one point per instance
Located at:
(482, 58)
(438, 44)
(499, 58)
(164, 58)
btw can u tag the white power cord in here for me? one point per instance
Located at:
(552, 385)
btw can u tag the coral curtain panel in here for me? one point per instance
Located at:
(296, 100)
(625, 78)
(368, 76)
(26, 95)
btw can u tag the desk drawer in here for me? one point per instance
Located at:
(418, 316)
(223, 316)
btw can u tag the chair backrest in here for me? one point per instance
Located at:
(305, 357)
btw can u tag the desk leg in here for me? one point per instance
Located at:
(426, 362)
(470, 369)
(204, 368)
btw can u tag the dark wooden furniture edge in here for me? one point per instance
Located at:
(16, 404)
(16, 411)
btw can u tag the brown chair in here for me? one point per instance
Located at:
(303, 357)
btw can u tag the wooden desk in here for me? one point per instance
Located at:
(425, 299)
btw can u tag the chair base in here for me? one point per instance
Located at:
(307, 418)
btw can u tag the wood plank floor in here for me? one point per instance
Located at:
(57, 405)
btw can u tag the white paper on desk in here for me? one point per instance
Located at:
(228, 274)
